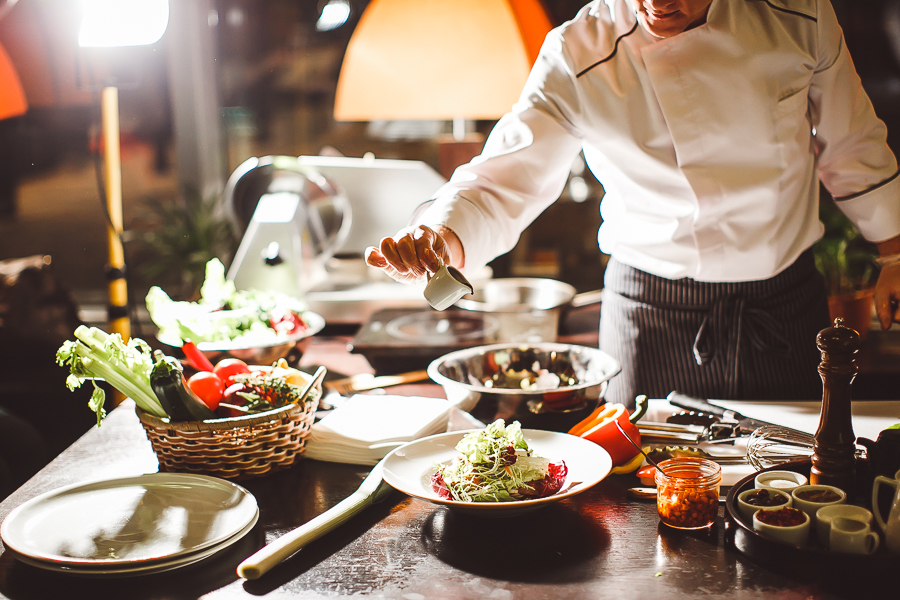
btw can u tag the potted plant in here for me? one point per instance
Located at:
(847, 262)
(185, 234)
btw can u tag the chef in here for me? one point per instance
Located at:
(710, 124)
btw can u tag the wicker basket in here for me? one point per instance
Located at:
(235, 448)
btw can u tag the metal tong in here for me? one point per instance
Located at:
(714, 432)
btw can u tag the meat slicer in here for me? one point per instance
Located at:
(308, 220)
(294, 218)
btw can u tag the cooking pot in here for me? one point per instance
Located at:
(528, 309)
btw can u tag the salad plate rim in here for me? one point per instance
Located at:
(604, 468)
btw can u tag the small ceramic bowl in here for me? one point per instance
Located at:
(811, 506)
(825, 515)
(748, 510)
(780, 480)
(795, 535)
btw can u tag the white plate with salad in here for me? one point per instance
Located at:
(499, 471)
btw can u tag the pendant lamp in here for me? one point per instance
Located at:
(12, 97)
(439, 60)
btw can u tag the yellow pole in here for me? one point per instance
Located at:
(112, 163)
(118, 289)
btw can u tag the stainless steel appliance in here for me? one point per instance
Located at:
(295, 218)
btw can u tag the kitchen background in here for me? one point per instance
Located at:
(272, 72)
(269, 69)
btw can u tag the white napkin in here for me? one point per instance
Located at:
(364, 428)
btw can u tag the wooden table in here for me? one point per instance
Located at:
(596, 545)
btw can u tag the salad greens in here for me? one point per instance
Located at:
(98, 355)
(497, 466)
(223, 314)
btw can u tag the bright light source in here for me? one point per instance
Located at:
(335, 14)
(116, 23)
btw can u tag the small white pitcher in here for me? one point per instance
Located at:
(890, 526)
(446, 286)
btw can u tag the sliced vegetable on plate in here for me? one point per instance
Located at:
(496, 465)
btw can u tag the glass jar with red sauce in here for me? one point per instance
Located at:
(687, 496)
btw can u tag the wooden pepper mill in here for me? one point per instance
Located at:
(834, 458)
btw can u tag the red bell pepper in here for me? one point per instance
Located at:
(600, 428)
(196, 358)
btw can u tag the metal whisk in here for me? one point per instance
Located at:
(772, 445)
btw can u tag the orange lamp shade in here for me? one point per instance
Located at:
(439, 59)
(12, 96)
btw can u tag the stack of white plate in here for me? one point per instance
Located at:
(130, 526)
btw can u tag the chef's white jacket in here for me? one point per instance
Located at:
(709, 144)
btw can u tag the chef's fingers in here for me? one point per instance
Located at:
(426, 242)
(441, 249)
(887, 295)
(883, 311)
(392, 256)
(406, 248)
(888, 312)
(374, 258)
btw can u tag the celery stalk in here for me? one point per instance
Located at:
(126, 367)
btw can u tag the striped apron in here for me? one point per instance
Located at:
(732, 340)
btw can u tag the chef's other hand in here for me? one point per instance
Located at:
(887, 295)
(414, 252)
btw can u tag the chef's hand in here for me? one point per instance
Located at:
(887, 288)
(413, 252)
(887, 295)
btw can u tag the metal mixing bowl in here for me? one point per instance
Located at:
(261, 354)
(545, 385)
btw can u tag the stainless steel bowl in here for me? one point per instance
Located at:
(264, 354)
(545, 385)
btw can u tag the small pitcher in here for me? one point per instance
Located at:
(446, 286)
(891, 525)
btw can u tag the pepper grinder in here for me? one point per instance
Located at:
(834, 457)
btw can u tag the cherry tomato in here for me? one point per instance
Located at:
(227, 368)
(208, 388)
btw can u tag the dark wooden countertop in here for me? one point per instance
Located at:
(596, 545)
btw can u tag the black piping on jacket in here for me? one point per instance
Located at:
(789, 11)
(612, 54)
(634, 28)
(870, 189)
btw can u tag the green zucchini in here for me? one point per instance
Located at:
(181, 404)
